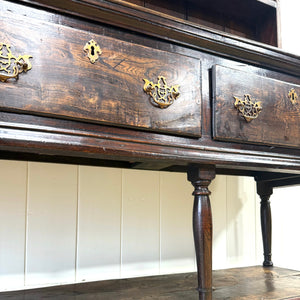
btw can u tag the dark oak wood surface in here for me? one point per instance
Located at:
(251, 19)
(202, 226)
(76, 140)
(251, 283)
(165, 27)
(64, 83)
(277, 123)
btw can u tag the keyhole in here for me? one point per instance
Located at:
(93, 50)
(293, 96)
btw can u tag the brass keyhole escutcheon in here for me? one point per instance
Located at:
(93, 50)
(293, 96)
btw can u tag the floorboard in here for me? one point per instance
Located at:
(251, 283)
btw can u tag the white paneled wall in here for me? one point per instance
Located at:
(289, 13)
(140, 227)
(13, 195)
(51, 223)
(176, 237)
(65, 223)
(285, 205)
(99, 223)
(241, 219)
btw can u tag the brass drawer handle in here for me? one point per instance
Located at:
(249, 109)
(11, 64)
(161, 94)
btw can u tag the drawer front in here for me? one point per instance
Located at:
(64, 83)
(252, 109)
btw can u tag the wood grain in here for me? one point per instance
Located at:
(201, 177)
(249, 283)
(277, 124)
(63, 83)
(155, 24)
(252, 19)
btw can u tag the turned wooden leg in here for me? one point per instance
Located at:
(201, 177)
(265, 191)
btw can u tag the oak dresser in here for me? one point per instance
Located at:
(189, 86)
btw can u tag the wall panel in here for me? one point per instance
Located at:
(99, 231)
(218, 198)
(177, 245)
(13, 179)
(241, 221)
(140, 223)
(286, 227)
(52, 217)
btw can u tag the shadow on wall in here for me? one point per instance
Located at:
(234, 206)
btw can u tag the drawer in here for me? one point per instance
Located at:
(118, 89)
(249, 108)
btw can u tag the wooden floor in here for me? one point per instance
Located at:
(244, 283)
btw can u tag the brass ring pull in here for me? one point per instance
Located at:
(11, 64)
(249, 109)
(161, 94)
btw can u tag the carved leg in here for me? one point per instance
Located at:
(201, 177)
(265, 191)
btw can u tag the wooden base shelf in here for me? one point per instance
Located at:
(240, 283)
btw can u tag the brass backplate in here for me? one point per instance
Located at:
(161, 94)
(248, 108)
(10, 65)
